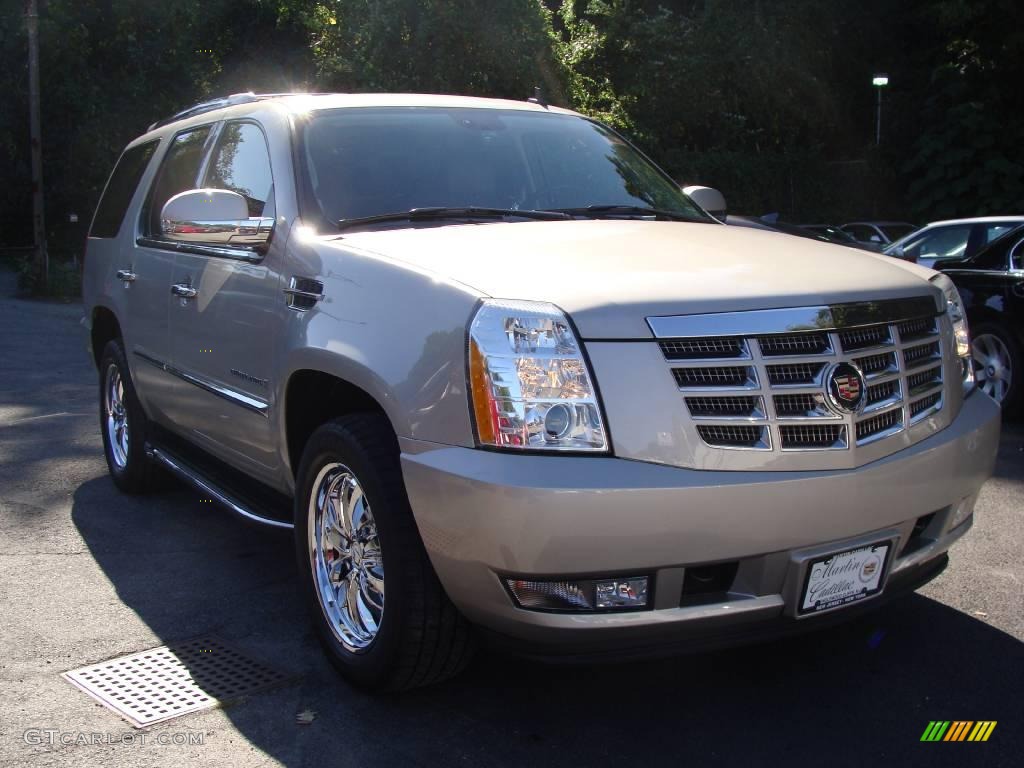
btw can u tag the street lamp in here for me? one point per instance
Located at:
(879, 81)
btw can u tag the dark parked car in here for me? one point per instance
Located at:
(835, 235)
(822, 233)
(991, 284)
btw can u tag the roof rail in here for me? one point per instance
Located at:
(207, 106)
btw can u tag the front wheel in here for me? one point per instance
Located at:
(377, 605)
(997, 365)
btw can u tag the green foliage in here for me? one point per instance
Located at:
(966, 160)
(769, 101)
(65, 278)
(495, 48)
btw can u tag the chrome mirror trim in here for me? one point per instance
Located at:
(244, 232)
(242, 254)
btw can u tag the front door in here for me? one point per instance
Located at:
(150, 268)
(224, 337)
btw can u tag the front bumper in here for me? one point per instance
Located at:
(484, 515)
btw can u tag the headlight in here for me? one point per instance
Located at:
(961, 333)
(529, 382)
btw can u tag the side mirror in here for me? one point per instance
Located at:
(711, 200)
(897, 252)
(217, 217)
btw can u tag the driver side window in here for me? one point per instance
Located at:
(177, 173)
(241, 163)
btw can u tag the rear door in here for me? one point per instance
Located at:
(135, 281)
(223, 338)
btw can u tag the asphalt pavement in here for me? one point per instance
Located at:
(88, 574)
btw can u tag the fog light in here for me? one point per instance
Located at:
(580, 595)
(962, 511)
(621, 593)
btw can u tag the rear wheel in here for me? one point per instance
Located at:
(123, 424)
(997, 365)
(376, 603)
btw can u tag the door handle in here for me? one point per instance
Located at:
(126, 275)
(184, 290)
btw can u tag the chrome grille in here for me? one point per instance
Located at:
(864, 338)
(796, 436)
(880, 392)
(925, 380)
(731, 376)
(874, 427)
(688, 349)
(805, 404)
(779, 392)
(724, 406)
(920, 408)
(795, 373)
(921, 355)
(916, 329)
(795, 344)
(876, 364)
(733, 436)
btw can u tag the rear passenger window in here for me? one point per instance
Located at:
(178, 173)
(120, 189)
(241, 163)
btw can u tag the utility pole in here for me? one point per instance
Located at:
(42, 258)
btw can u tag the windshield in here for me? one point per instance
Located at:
(891, 247)
(361, 162)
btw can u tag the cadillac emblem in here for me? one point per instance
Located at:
(845, 386)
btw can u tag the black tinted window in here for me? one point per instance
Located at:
(177, 173)
(994, 255)
(120, 189)
(241, 163)
(861, 232)
(363, 162)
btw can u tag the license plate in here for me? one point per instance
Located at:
(838, 580)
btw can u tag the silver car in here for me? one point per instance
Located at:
(950, 240)
(506, 381)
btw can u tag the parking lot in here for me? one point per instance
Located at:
(87, 574)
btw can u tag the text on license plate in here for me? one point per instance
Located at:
(844, 578)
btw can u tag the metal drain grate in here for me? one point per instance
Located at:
(170, 681)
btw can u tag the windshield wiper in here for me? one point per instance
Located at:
(602, 211)
(470, 212)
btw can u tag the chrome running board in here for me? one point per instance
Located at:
(200, 482)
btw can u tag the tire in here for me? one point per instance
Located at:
(415, 636)
(125, 446)
(998, 365)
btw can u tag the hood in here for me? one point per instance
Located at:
(609, 275)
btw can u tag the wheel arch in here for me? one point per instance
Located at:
(321, 387)
(104, 327)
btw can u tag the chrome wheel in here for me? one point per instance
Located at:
(993, 368)
(345, 555)
(116, 415)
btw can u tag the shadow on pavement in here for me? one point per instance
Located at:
(854, 695)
